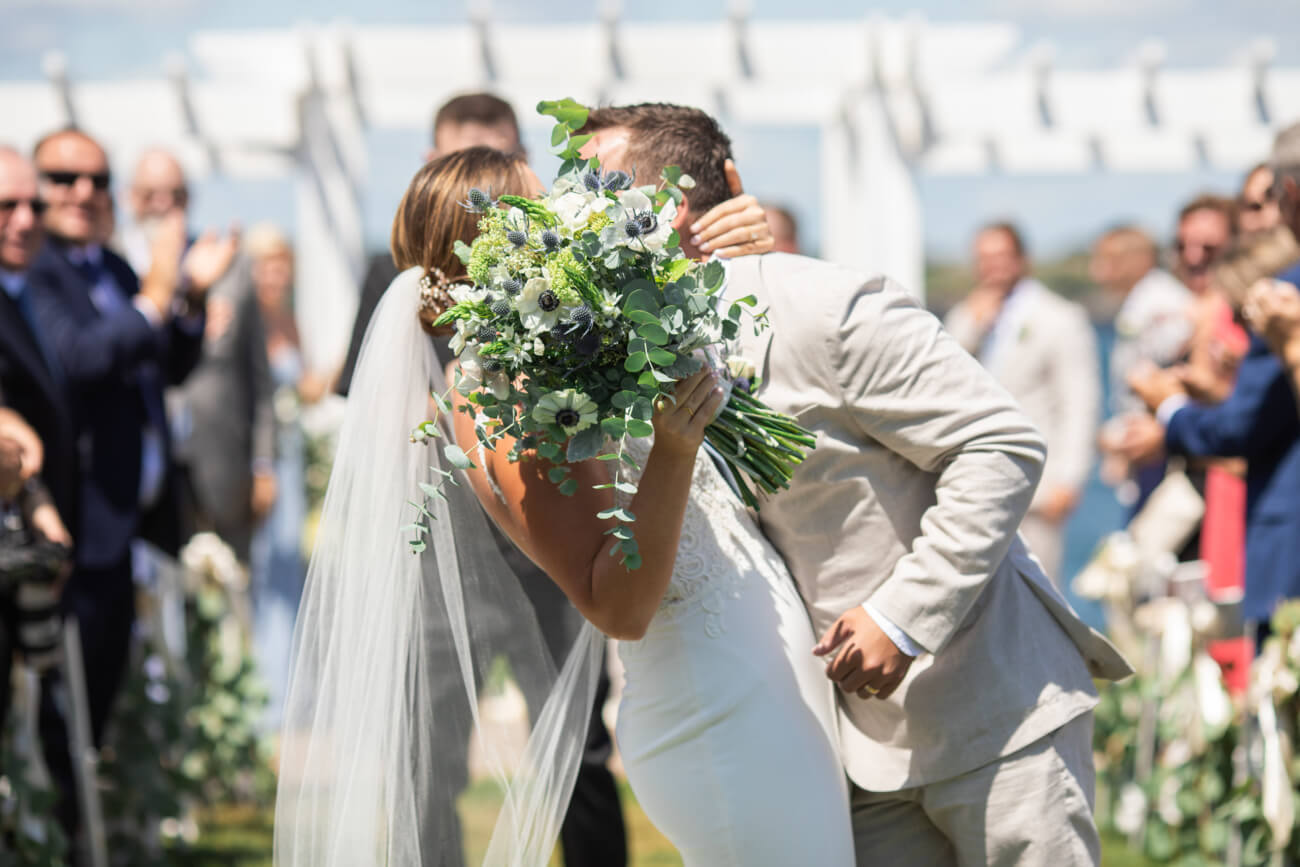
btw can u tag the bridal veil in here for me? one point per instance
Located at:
(392, 649)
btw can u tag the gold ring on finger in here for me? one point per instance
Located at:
(871, 689)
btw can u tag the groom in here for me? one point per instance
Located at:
(965, 679)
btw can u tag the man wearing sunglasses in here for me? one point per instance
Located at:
(117, 341)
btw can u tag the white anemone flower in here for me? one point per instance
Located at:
(569, 408)
(640, 227)
(475, 375)
(538, 305)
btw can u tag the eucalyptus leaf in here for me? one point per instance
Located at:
(585, 445)
(635, 362)
(638, 428)
(662, 357)
(654, 333)
(713, 275)
(623, 399)
(569, 487)
(456, 457)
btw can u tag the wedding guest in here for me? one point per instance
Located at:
(1043, 349)
(30, 380)
(116, 340)
(1152, 323)
(1206, 227)
(1257, 209)
(1273, 308)
(277, 564)
(1258, 421)
(222, 422)
(785, 228)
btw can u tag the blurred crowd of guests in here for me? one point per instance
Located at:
(149, 378)
(1204, 372)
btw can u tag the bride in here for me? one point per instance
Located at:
(726, 723)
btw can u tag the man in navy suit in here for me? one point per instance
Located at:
(117, 342)
(29, 380)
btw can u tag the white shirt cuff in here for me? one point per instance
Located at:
(1169, 406)
(148, 310)
(900, 638)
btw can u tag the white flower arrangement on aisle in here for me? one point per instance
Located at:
(582, 312)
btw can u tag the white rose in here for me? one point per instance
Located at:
(573, 210)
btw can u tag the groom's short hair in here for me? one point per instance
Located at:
(672, 135)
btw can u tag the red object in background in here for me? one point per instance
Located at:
(1223, 548)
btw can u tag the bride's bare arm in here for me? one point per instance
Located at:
(563, 536)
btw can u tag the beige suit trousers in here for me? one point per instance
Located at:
(1032, 808)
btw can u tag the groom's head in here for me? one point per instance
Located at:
(642, 139)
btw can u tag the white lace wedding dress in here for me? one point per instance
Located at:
(726, 721)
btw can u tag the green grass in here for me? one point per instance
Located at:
(241, 836)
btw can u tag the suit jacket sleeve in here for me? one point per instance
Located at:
(1078, 380)
(909, 386)
(1256, 420)
(89, 352)
(378, 275)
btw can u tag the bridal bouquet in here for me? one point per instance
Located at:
(584, 313)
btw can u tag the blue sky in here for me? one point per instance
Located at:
(125, 38)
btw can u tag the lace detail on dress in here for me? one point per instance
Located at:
(718, 538)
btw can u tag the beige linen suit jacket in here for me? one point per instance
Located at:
(923, 469)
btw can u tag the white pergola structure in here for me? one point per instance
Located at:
(891, 98)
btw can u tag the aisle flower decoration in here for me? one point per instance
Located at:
(582, 314)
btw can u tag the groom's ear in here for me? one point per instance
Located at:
(683, 218)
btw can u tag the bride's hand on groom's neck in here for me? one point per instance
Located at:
(736, 227)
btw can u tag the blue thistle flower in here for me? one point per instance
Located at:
(492, 365)
(632, 228)
(501, 309)
(560, 334)
(582, 316)
(550, 240)
(591, 180)
(618, 180)
(518, 238)
(486, 334)
(512, 287)
(477, 201)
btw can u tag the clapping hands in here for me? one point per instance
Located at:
(209, 258)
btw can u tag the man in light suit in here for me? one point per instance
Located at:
(222, 420)
(966, 680)
(1043, 350)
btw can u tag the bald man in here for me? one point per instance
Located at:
(1153, 322)
(158, 188)
(222, 419)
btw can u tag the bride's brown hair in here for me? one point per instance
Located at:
(430, 218)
